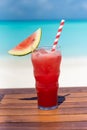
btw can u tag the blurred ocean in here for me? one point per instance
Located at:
(73, 40)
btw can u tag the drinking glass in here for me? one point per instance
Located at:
(46, 68)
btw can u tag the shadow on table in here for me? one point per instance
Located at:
(1, 96)
(31, 98)
(61, 99)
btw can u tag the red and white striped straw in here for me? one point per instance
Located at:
(58, 35)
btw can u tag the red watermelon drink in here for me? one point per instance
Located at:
(46, 65)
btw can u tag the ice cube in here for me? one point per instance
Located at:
(42, 51)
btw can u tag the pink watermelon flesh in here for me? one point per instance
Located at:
(26, 43)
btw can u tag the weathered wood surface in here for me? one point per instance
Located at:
(18, 110)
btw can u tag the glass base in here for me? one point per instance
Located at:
(48, 108)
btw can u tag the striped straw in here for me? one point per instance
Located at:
(58, 35)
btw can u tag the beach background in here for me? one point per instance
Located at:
(17, 72)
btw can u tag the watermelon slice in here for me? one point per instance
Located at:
(28, 45)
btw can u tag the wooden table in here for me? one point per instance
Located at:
(18, 110)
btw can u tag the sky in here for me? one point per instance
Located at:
(42, 9)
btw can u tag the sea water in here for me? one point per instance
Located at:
(72, 42)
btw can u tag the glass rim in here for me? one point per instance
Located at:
(50, 47)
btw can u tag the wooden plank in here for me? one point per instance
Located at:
(17, 90)
(44, 126)
(35, 112)
(80, 99)
(16, 101)
(19, 96)
(8, 101)
(72, 89)
(53, 118)
(18, 105)
(74, 95)
(41, 128)
(34, 105)
(29, 95)
(12, 101)
(32, 90)
(73, 104)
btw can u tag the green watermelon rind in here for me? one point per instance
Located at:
(29, 49)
